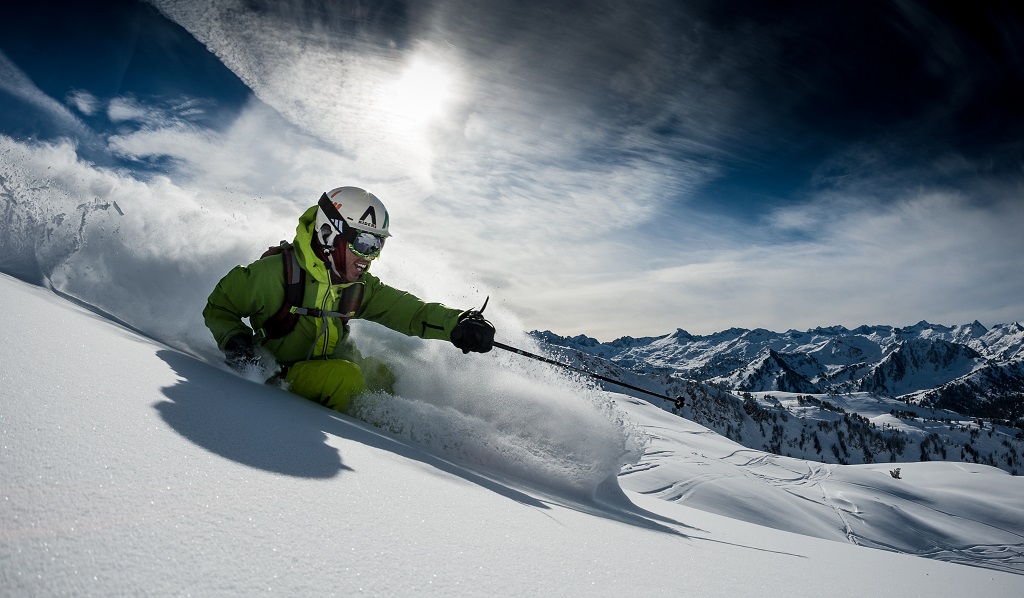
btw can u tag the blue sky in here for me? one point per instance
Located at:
(613, 169)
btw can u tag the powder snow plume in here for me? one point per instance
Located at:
(148, 252)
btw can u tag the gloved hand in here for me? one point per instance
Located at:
(473, 333)
(240, 352)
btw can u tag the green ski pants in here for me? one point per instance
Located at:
(335, 382)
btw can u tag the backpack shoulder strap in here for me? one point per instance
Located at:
(283, 321)
(293, 276)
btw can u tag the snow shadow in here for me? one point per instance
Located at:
(270, 429)
(262, 427)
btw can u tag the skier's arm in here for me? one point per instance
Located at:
(245, 292)
(404, 312)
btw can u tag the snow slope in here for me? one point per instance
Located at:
(130, 468)
(935, 509)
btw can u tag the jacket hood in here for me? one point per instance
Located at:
(304, 248)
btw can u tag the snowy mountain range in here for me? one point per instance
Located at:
(925, 377)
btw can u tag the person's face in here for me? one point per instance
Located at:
(354, 265)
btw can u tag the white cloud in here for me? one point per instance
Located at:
(126, 109)
(939, 256)
(257, 154)
(18, 84)
(83, 101)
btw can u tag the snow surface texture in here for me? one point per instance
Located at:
(131, 468)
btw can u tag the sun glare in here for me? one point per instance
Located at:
(421, 94)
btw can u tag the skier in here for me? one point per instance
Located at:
(299, 299)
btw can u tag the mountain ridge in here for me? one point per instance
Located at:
(921, 392)
(872, 358)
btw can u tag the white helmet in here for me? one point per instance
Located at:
(349, 207)
(354, 218)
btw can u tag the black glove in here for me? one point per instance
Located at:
(473, 333)
(240, 352)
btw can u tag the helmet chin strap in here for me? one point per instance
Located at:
(334, 269)
(328, 256)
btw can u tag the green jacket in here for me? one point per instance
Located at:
(257, 291)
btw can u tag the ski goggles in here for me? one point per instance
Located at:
(365, 245)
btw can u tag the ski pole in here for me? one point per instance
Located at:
(678, 401)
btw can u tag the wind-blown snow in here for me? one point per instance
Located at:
(131, 468)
